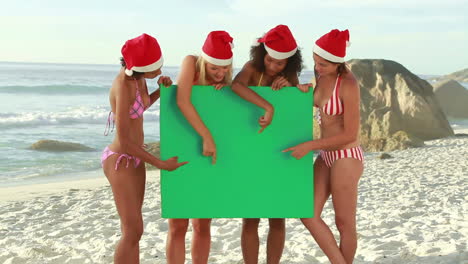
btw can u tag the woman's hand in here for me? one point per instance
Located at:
(219, 86)
(209, 148)
(279, 82)
(171, 164)
(265, 120)
(300, 150)
(165, 80)
(304, 87)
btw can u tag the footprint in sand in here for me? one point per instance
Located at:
(409, 215)
(391, 245)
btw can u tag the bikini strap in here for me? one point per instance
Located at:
(260, 81)
(337, 86)
(106, 130)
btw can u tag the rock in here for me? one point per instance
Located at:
(461, 135)
(461, 76)
(452, 97)
(398, 109)
(384, 156)
(399, 140)
(59, 146)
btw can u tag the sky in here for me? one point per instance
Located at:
(427, 37)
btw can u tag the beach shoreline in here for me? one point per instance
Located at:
(411, 209)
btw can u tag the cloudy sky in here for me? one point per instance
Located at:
(427, 37)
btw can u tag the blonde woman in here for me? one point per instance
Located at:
(212, 67)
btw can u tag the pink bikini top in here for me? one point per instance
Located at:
(334, 106)
(136, 111)
(138, 107)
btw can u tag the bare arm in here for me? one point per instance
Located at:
(122, 120)
(351, 102)
(184, 93)
(154, 96)
(352, 117)
(240, 87)
(163, 80)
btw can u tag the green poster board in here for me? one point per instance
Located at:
(252, 178)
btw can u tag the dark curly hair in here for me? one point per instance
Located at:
(293, 67)
(136, 74)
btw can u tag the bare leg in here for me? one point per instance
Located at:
(201, 240)
(249, 240)
(276, 237)
(175, 246)
(128, 187)
(345, 175)
(316, 226)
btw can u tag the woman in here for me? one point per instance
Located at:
(274, 61)
(123, 161)
(339, 164)
(213, 67)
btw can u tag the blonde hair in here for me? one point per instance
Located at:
(200, 68)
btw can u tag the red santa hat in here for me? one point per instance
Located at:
(142, 54)
(279, 42)
(218, 48)
(332, 46)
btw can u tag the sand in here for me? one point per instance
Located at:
(412, 208)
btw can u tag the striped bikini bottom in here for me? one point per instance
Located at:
(330, 156)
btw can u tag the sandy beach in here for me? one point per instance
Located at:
(412, 209)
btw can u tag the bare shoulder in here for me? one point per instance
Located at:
(120, 86)
(248, 69)
(349, 83)
(245, 74)
(248, 66)
(118, 82)
(190, 60)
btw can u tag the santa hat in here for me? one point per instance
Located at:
(279, 42)
(332, 46)
(142, 54)
(218, 48)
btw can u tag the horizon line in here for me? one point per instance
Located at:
(107, 64)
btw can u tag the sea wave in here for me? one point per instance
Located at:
(54, 89)
(82, 115)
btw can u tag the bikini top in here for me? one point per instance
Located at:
(260, 80)
(136, 111)
(138, 107)
(334, 105)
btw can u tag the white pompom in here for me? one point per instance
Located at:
(348, 44)
(256, 43)
(128, 72)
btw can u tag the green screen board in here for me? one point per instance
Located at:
(252, 178)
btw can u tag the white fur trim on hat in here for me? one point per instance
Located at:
(128, 72)
(279, 55)
(148, 68)
(216, 61)
(255, 43)
(327, 55)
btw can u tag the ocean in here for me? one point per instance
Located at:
(65, 102)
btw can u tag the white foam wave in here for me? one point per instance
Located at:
(81, 115)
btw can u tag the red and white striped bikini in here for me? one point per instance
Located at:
(333, 107)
